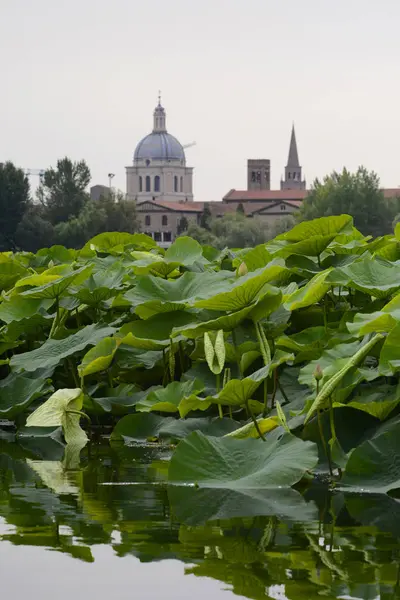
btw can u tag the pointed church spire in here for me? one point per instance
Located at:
(293, 177)
(293, 158)
(159, 117)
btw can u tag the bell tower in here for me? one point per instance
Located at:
(258, 174)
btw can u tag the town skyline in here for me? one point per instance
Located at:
(238, 82)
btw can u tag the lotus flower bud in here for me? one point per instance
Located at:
(242, 269)
(318, 373)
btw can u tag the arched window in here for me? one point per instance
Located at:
(157, 183)
(164, 220)
(175, 183)
(148, 183)
(181, 188)
(140, 183)
(147, 220)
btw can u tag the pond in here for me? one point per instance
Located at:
(106, 525)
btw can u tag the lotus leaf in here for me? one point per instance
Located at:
(62, 409)
(53, 351)
(148, 426)
(281, 461)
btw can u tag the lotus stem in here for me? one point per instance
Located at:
(218, 384)
(234, 340)
(265, 397)
(282, 391)
(261, 435)
(274, 390)
(323, 440)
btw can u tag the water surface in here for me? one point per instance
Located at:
(105, 525)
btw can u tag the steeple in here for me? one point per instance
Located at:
(160, 117)
(293, 158)
(293, 178)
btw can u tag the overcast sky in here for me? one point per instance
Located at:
(81, 78)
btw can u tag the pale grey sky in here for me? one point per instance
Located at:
(81, 77)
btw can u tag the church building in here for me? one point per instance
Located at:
(159, 171)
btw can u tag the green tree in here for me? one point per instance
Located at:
(14, 202)
(237, 231)
(206, 218)
(34, 231)
(63, 191)
(183, 225)
(111, 213)
(202, 235)
(357, 194)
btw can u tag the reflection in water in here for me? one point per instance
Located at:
(258, 544)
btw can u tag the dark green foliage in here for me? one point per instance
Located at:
(14, 202)
(356, 194)
(63, 191)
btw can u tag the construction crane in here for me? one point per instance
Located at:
(35, 172)
(185, 146)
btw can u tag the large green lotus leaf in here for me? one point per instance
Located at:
(117, 241)
(244, 290)
(309, 294)
(378, 402)
(254, 258)
(185, 251)
(313, 246)
(390, 353)
(18, 308)
(48, 276)
(157, 267)
(101, 285)
(194, 506)
(57, 254)
(268, 302)
(310, 338)
(373, 467)
(226, 323)
(379, 321)
(10, 271)
(53, 351)
(148, 426)
(153, 295)
(280, 461)
(159, 327)
(250, 431)
(375, 277)
(61, 409)
(329, 362)
(193, 403)
(323, 226)
(238, 391)
(54, 289)
(18, 391)
(167, 399)
(119, 400)
(99, 358)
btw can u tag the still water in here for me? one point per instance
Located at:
(105, 525)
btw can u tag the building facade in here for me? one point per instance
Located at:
(159, 171)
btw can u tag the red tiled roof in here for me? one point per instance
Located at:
(391, 193)
(176, 206)
(289, 195)
(260, 195)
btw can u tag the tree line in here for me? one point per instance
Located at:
(357, 194)
(62, 211)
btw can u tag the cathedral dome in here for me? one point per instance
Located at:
(159, 145)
